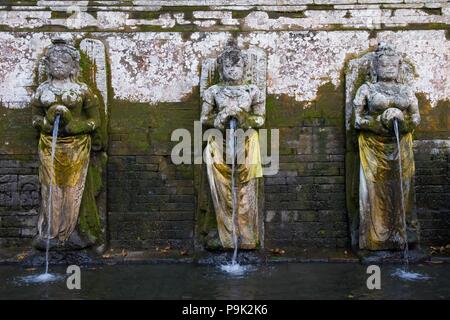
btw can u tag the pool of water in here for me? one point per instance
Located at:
(189, 281)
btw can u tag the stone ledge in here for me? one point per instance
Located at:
(242, 15)
(27, 257)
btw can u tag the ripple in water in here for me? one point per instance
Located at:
(410, 276)
(235, 268)
(40, 278)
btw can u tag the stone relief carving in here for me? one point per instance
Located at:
(72, 190)
(380, 191)
(233, 87)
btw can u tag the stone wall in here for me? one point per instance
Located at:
(155, 50)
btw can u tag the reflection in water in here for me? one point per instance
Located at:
(188, 281)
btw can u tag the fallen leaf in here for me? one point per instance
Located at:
(184, 252)
(277, 251)
(21, 256)
(124, 253)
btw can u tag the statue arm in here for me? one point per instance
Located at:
(363, 120)
(412, 120)
(257, 117)
(208, 114)
(91, 105)
(39, 120)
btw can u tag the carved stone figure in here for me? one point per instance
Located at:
(69, 187)
(387, 217)
(229, 99)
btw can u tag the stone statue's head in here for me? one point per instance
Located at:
(62, 60)
(386, 64)
(232, 62)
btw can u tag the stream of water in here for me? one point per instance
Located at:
(234, 267)
(46, 276)
(404, 273)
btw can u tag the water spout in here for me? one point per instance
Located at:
(49, 209)
(46, 276)
(406, 248)
(404, 274)
(233, 125)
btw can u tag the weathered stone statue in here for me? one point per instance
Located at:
(386, 97)
(75, 220)
(229, 99)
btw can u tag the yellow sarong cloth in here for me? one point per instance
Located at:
(382, 225)
(219, 176)
(67, 178)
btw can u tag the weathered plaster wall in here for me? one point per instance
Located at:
(155, 50)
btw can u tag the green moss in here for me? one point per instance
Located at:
(60, 14)
(88, 71)
(287, 14)
(240, 14)
(319, 7)
(434, 121)
(423, 26)
(17, 135)
(432, 11)
(146, 15)
(327, 108)
(89, 217)
(147, 129)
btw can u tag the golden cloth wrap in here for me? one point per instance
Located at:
(382, 225)
(246, 174)
(68, 180)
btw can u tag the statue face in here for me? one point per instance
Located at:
(387, 68)
(233, 71)
(60, 65)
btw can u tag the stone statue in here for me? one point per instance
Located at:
(387, 219)
(233, 98)
(75, 220)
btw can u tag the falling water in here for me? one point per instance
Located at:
(234, 267)
(50, 192)
(404, 273)
(406, 249)
(46, 277)
(233, 125)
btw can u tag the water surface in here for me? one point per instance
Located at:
(189, 281)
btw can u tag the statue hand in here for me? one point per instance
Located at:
(46, 127)
(72, 128)
(62, 111)
(242, 118)
(389, 115)
(255, 121)
(219, 121)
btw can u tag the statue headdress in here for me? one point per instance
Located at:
(231, 52)
(385, 49)
(63, 45)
